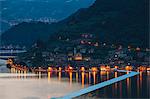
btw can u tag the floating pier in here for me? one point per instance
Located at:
(98, 86)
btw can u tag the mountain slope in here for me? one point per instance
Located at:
(122, 21)
(114, 21)
(27, 33)
(17, 11)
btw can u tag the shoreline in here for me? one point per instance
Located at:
(2, 62)
(3, 68)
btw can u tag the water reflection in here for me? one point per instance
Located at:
(134, 87)
(131, 87)
(141, 80)
(39, 75)
(49, 76)
(107, 75)
(19, 76)
(77, 77)
(82, 79)
(115, 86)
(102, 73)
(85, 78)
(138, 84)
(33, 87)
(120, 90)
(25, 74)
(148, 82)
(94, 77)
(59, 76)
(89, 77)
(128, 87)
(70, 77)
(116, 75)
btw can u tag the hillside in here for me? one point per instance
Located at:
(17, 11)
(115, 21)
(119, 21)
(27, 33)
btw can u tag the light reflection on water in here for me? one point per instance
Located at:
(70, 78)
(82, 79)
(54, 84)
(26, 86)
(134, 87)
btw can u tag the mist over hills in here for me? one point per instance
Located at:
(17, 11)
(120, 21)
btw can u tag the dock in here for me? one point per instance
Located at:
(98, 86)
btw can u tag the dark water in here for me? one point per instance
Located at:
(134, 87)
(84, 78)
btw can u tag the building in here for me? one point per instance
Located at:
(78, 57)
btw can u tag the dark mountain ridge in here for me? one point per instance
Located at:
(17, 11)
(115, 21)
(123, 21)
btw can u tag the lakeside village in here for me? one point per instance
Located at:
(82, 54)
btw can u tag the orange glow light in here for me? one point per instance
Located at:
(50, 69)
(60, 68)
(94, 69)
(82, 69)
(148, 69)
(129, 68)
(70, 68)
(142, 68)
(116, 67)
(102, 68)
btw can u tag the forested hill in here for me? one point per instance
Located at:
(27, 33)
(17, 11)
(115, 21)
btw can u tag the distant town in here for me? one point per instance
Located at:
(17, 21)
(82, 49)
(85, 51)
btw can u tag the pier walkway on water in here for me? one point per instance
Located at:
(100, 85)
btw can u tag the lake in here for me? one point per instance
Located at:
(24, 85)
(134, 87)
